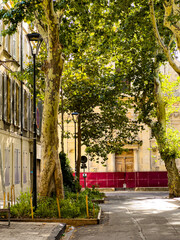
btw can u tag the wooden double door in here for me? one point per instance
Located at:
(125, 161)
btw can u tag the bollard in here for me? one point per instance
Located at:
(14, 195)
(8, 198)
(4, 203)
(93, 210)
(87, 209)
(59, 211)
(11, 195)
(31, 207)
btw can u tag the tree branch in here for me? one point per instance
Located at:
(160, 41)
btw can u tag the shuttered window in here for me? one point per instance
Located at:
(5, 96)
(17, 166)
(6, 44)
(14, 46)
(7, 167)
(12, 101)
(11, 45)
(25, 107)
(25, 167)
(15, 104)
(19, 99)
(8, 99)
(28, 111)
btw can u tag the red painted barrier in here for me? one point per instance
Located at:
(132, 179)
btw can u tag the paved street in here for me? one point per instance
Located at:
(135, 215)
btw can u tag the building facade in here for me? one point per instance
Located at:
(16, 149)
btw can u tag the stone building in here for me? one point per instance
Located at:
(15, 115)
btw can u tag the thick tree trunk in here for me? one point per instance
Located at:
(167, 153)
(173, 178)
(169, 159)
(50, 164)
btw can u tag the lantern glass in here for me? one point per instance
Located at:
(75, 116)
(35, 41)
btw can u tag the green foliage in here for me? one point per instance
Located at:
(68, 179)
(46, 208)
(22, 208)
(93, 193)
(74, 205)
(69, 182)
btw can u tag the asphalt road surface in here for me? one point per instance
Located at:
(134, 215)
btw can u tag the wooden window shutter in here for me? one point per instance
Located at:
(14, 46)
(12, 101)
(28, 111)
(7, 167)
(5, 97)
(11, 45)
(19, 106)
(15, 105)
(8, 99)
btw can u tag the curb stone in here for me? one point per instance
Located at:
(57, 232)
(69, 233)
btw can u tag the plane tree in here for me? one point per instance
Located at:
(66, 28)
(139, 57)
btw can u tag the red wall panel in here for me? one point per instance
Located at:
(132, 179)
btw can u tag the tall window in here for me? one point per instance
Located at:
(25, 168)
(29, 112)
(13, 45)
(12, 101)
(17, 166)
(7, 98)
(7, 167)
(25, 107)
(17, 98)
(6, 44)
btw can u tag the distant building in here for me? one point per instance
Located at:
(141, 166)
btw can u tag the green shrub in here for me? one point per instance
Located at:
(23, 207)
(93, 193)
(68, 179)
(46, 207)
(73, 206)
(69, 208)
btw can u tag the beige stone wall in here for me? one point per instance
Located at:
(15, 160)
(15, 150)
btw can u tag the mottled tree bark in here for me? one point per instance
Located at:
(168, 154)
(50, 163)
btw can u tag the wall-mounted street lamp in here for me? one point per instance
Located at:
(75, 119)
(35, 41)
